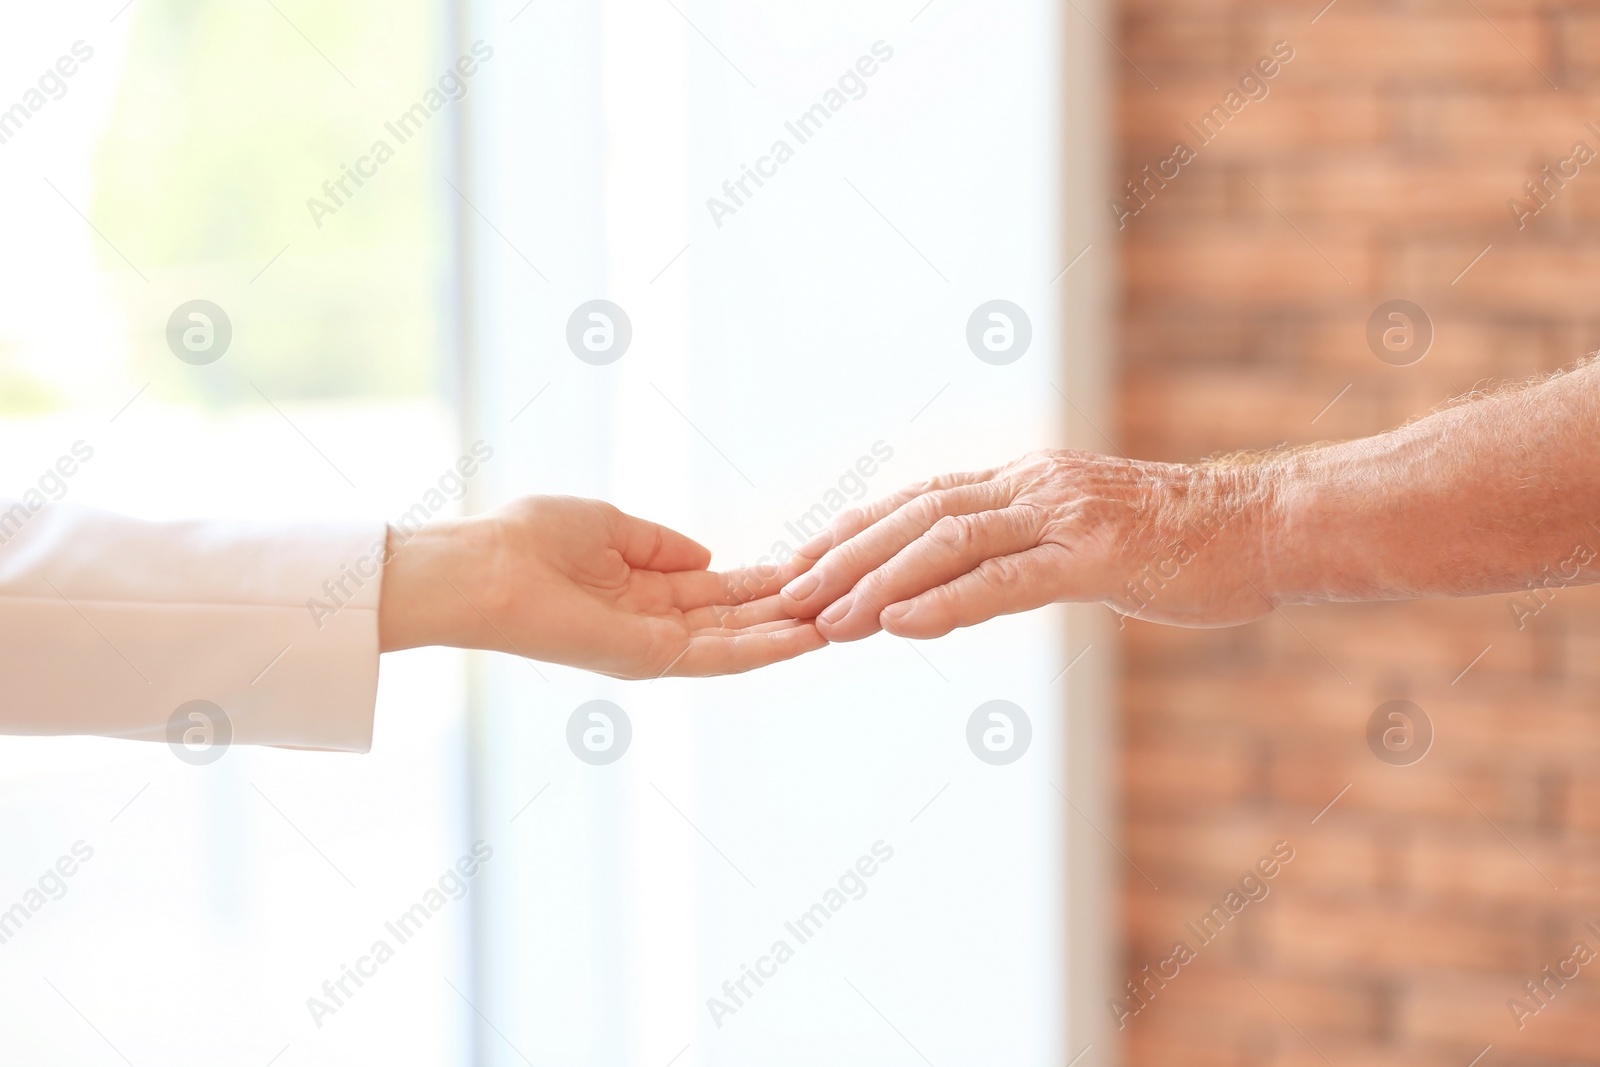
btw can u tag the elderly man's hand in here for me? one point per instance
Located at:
(1168, 542)
(1498, 493)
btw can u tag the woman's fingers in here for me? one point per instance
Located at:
(754, 628)
(837, 572)
(760, 580)
(654, 646)
(708, 654)
(689, 590)
(1001, 585)
(651, 546)
(737, 616)
(953, 546)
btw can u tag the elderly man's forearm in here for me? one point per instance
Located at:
(1481, 497)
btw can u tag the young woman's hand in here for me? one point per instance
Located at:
(578, 582)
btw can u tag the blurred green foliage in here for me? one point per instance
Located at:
(22, 393)
(229, 117)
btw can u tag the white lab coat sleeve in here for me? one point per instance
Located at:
(109, 624)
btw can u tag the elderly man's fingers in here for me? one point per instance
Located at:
(1002, 585)
(852, 521)
(953, 546)
(710, 654)
(844, 565)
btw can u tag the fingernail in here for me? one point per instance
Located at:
(818, 544)
(893, 619)
(839, 610)
(802, 586)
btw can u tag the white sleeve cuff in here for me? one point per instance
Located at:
(108, 625)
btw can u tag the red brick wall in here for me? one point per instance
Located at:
(1377, 167)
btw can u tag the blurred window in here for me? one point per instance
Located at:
(158, 153)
